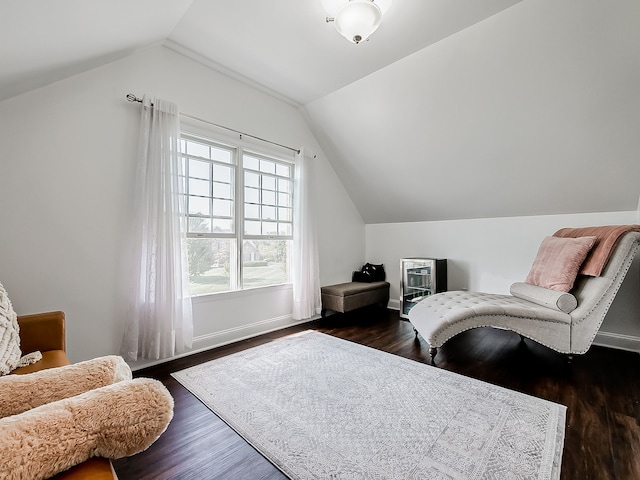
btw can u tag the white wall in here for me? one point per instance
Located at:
(66, 189)
(488, 255)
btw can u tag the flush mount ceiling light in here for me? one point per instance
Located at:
(356, 20)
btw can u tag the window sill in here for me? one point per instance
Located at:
(214, 297)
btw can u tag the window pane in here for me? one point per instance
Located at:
(269, 228)
(285, 214)
(265, 262)
(284, 199)
(250, 162)
(252, 195)
(222, 190)
(222, 225)
(252, 179)
(268, 183)
(199, 169)
(251, 227)
(221, 208)
(283, 170)
(199, 225)
(222, 173)
(268, 213)
(209, 265)
(267, 166)
(284, 185)
(220, 155)
(199, 187)
(198, 149)
(268, 198)
(284, 229)
(199, 206)
(251, 211)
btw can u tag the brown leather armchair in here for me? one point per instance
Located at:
(46, 332)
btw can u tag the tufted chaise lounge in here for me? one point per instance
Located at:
(444, 315)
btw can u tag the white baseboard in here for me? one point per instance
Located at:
(230, 335)
(618, 340)
(394, 304)
(242, 332)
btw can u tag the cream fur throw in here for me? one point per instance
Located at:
(113, 422)
(10, 354)
(19, 393)
(54, 419)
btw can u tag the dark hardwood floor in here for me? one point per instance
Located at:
(601, 390)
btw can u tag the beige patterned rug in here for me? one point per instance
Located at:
(319, 407)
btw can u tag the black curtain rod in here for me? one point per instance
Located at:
(132, 98)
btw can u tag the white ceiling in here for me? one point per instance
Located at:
(288, 46)
(534, 111)
(42, 41)
(284, 45)
(453, 109)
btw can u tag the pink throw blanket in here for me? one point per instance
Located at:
(607, 237)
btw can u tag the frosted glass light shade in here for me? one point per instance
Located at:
(332, 7)
(358, 19)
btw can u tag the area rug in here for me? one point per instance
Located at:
(319, 407)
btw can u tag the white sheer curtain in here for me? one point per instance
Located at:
(304, 264)
(159, 322)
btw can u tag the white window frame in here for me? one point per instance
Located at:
(238, 148)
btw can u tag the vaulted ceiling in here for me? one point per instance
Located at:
(453, 109)
(286, 47)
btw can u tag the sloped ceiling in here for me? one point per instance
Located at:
(42, 41)
(288, 47)
(533, 111)
(285, 47)
(453, 109)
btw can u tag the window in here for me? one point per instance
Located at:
(240, 216)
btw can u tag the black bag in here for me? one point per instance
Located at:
(369, 273)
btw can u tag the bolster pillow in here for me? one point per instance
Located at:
(561, 301)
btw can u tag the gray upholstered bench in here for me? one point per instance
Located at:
(345, 297)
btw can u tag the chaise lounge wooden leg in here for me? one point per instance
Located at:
(433, 351)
